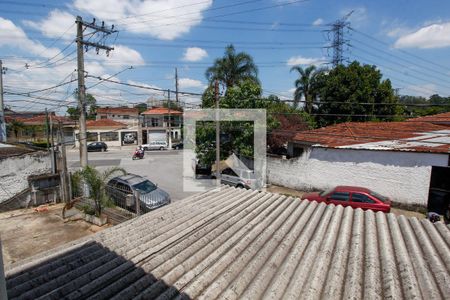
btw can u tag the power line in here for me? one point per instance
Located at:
(430, 74)
(142, 86)
(223, 15)
(400, 50)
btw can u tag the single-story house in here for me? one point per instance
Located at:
(232, 243)
(33, 128)
(393, 158)
(105, 130)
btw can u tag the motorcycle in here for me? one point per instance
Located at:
(138, 154)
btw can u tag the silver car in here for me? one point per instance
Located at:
(124, 190)
(239, 178)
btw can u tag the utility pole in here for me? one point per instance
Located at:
(47, 129)
(2, 108)
(52, 147)
(176, 85)
(216, 97)
(170, 121)
(81, 26)
(338, 42)
(65, 191)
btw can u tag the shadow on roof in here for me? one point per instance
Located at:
(89, 271)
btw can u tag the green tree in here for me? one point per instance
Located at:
(237, 137)
(73, 112)
(356, 93)
(232, 68)
(96, 182)
(91, 102)
(91, 108)
(305, 86)
(141, 107)
(15, 126)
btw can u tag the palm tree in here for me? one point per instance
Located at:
(96, 183)
(305, 86)
(232, 68)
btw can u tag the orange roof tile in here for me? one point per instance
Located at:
(105, 123)
(439, 119)
(40, 120)
(118, 110)
(406, 136)
(162, 111)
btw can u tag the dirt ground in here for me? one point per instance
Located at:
(26, 232)
(295, 193)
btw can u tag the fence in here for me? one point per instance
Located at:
(121, 205)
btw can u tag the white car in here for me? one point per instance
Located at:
(156, 145)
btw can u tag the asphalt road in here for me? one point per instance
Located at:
(161, 167)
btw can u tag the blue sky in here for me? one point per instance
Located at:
(408, 40)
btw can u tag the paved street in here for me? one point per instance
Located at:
(161, 167)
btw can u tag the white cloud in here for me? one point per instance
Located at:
(194, 54)
(13, 36)
(424, 90)
(123, 56)
(300, 60)
(189, 83)
(56, 24)
(430, 36)
(157, 18)
(318, 22)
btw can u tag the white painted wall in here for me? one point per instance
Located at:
(15, 170)
(402, 176)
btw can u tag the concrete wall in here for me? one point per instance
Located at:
(402, 176)
(15, 170)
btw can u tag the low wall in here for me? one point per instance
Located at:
(402, 176)
(14, 171)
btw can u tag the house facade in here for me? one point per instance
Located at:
(126, 115)
(158, 123)
(396, 159)
(106, 130)
(33, 127)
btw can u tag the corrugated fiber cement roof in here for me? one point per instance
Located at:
(232, 243)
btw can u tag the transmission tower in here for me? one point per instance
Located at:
(338, 42)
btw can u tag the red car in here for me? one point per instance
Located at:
(356, 197)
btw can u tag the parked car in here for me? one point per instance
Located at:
(177, 145)
(156, 145)
(240, 178)
(97, 146)
(123, 190)
(356, 197)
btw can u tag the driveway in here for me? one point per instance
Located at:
(165, 168)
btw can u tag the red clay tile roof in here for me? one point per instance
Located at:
(439, 119)
(405, 136)
(40, 120)
(118, 110)
(105, 123)
(162, 111)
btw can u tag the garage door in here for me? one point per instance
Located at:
(157, 136)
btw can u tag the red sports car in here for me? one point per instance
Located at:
(356, 197)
